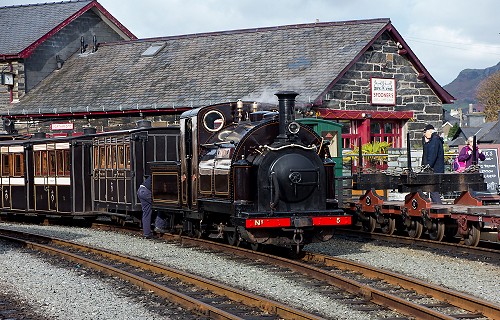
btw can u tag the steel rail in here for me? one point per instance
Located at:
(246, 298)
(457, 299)
(376, 296)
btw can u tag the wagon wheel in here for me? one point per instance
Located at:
(437, 231)
(415, 229)
(369, 225)
(473, 236)
(233, 238)
(389, 226)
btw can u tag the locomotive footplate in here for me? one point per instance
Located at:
(428, 182)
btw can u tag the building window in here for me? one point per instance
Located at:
(389, 131)
(349, 133)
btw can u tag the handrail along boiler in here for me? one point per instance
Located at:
(250, 175)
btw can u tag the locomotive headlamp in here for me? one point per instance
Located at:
(293, 127)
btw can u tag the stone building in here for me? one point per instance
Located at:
(359, 73)
(36, 40)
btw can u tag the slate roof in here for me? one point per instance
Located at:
(493, 134)
(199, 69)
(450, 119)
(24, 26)
(484, 134)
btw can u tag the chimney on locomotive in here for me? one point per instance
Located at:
(286, 102)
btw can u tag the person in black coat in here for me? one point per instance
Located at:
(433, 155)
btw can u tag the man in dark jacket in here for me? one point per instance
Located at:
(145, 197)
(433, 155)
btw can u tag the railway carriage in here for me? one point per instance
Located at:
(59, 175)
(120, 165)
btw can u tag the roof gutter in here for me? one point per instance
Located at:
(93, 114)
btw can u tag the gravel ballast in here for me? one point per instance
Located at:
(467, 276)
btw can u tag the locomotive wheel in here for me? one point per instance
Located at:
(415, 230)
(437, 232)
(389, 226)
(233, 238)
(256, 246)
(473, 236)
(197, 234)
(369, 225)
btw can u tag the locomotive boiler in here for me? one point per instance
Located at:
(249, 173)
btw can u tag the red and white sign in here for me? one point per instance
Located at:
(61, 126)
(383, 91)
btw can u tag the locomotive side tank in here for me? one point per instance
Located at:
(250, 174)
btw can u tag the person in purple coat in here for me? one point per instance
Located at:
(466, 156)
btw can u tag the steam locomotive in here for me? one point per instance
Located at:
(249, 175)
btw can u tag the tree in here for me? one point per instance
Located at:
(488, 94)
(453, 131)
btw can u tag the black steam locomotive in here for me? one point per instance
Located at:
(249, 174)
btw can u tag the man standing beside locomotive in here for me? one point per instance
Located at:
(145, 196)
(433, 155)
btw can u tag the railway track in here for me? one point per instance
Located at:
(409, 296)
(199, 295)
(485, 249)
(362, 288)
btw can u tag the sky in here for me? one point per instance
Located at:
(447, 36)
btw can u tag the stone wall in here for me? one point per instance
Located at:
(383, 60)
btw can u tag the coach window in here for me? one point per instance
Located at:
(5, 165)
(114, 161)
(40, 163)
(101, 158)
(60, 162)
(127, 157)
(52, 163)
(121, 158)
(67, 162)
(45, 165)
(18, 165)
(63, 163)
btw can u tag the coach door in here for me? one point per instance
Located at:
(122, 161)
(112, 169)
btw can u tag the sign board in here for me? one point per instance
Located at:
(61, 126)
(489, 169)
(383, 91)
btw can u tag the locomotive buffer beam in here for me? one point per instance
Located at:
(428, 182)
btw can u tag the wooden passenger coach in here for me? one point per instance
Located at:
(121, 163)
(61, 175)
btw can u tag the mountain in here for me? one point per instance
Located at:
(464, 87)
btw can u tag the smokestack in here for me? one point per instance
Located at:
(286, 101)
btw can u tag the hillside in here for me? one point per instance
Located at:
(463, 88)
